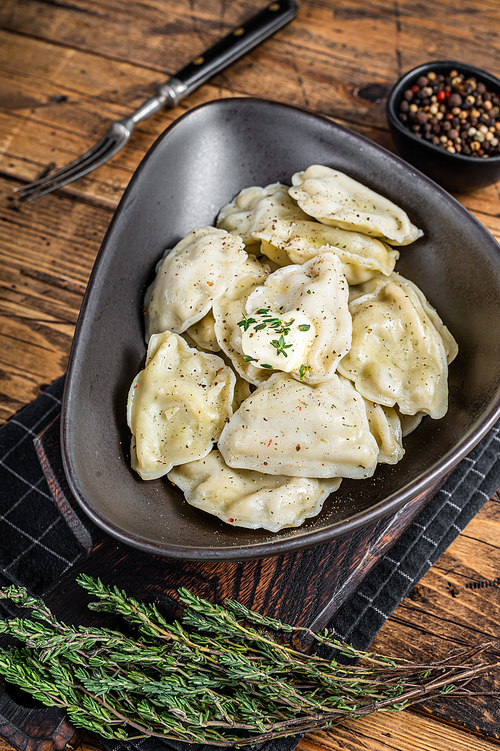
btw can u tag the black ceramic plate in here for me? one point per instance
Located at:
(193, 169)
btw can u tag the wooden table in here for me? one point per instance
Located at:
(67, 69)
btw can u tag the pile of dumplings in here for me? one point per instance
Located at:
(285, 353)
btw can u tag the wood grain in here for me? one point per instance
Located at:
(68, 69)
(46, 255)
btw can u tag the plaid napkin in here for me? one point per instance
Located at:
(37, 546)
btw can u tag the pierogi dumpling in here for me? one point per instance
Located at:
(362, 256)
(250, 499)
(314, 298)
(253, 208)
(409, 423)
(229, 310)
(190, 277)
(397, 355)
(242, 391)
(177, 405)
(203, 333)
(291, 428)
(385, 426)
(450, 345)
(334, 198)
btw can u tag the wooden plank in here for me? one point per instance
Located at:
(335, 33)
(34, 237)
(445, 613)
(340, 30)
(394, 731)
(329, 80)
(177, 37)
(442, 614)
(391, 731)
(56, 114)
(45, 267)
(17, 388)
(52, 116)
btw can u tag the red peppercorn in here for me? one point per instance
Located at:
(442, 95)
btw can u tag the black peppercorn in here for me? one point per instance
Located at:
(455, 100)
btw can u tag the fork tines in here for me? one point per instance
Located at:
(97, 155)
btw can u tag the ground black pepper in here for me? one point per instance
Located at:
(454, 112)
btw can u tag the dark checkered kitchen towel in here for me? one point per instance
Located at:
(37, 546)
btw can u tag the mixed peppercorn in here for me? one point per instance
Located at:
(454, 112)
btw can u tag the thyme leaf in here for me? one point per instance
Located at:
(303, 371)
(246, 322)
(281, 345)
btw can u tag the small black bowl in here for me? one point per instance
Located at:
(455, 172)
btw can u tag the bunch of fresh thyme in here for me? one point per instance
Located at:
(220, 676)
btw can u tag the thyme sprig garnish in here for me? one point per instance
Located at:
(223, 675)
(280, 345)
(304, 371)
(245, 323)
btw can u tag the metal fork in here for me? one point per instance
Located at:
(169, 94)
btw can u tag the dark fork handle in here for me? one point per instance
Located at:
(237, 43)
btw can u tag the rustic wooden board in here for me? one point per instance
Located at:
(404, 731)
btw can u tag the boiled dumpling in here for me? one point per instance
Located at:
(409, 423)
(362, 256)
(397, 355)
(242, 391)
(202, 333)
(366, 288)
(450, 345)
(327, 357)
(229, 310)
(298, 321)
(249, 499)
(277, 255)
(253, 208)
(291, 428)
(190, 277)
(385, 426)
(177, 406)
(334, 198)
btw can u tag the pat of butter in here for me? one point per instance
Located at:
(283, 346)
